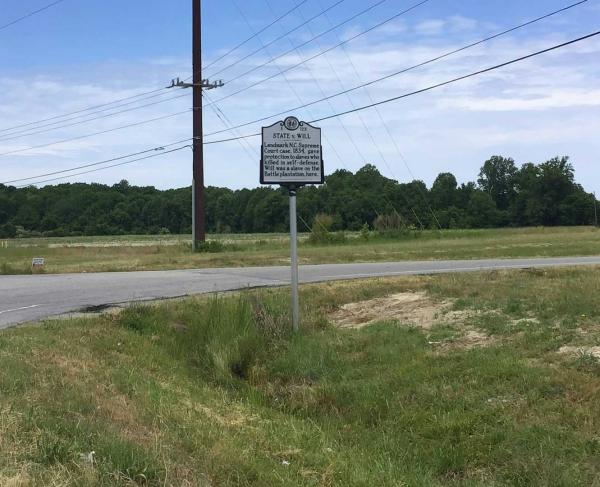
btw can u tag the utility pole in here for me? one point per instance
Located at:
(595, 210)
(197, 85)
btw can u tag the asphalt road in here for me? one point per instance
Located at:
(35, 297)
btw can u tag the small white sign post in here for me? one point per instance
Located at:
(292, 157)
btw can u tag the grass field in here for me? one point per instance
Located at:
(87, 254)
(488, 379)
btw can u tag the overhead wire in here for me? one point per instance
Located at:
(118, 100)
(308, 41)
(19, 135)
(160, 154)
(93, 107)
(405, 70)
(460, 78)
(30, 14)
(388, 131)
(289, 84)
(277, 39)
(85, 136)
(339, 120)
(294, 66)
(432, 87)
(363, 123)
(362, 85)
(106, 161)
(254, 35)
(244, 144)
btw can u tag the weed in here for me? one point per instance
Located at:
(587, 362)
(218, 391)
(215, 247)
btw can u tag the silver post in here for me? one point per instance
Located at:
(294, 259)
(595, 210)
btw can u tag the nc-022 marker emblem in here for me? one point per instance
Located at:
(291, 123)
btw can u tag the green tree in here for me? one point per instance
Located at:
(497, 178)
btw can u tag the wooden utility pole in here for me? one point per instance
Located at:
(198, 84)
(595, 210)
(198, 230)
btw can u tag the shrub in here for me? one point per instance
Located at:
(213, 247)
(393, 226)
(321, 231)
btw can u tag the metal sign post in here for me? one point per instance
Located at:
(292, 157)
(294, 258)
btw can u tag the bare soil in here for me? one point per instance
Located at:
(571, 350)
(414, 309)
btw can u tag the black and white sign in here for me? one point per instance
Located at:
(291, 154)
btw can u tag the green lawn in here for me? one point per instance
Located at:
(87, 254)
(486, 379)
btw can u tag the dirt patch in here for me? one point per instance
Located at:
(19, 480)
(525, 322)
(119, 409)
(416, 308)
(571, 350)
(466, 341)
(232, 418)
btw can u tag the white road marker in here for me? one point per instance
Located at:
(19, 309)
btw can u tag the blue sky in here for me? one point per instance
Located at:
(81, 53)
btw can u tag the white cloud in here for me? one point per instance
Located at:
(531, 111)
(430, 27)
(556, 99)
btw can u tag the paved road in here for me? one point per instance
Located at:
(30, 298)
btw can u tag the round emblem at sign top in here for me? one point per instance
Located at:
(291, 123)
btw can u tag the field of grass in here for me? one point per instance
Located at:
(493, 381)
(87, 254)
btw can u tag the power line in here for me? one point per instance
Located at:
(118, 158)
(93, 107)
(460, 78)
(255, 34)
(156, 92)
(30, 14)
(289, 68)
(340, 121)
(363, 85)
(366, 127)
(106, 167)
(136, 124)
(244, 144)
(431, 87)
(285, 53)
(19, 135)
(264, 46)
(410, 68)
(292, 89)
(24, 130)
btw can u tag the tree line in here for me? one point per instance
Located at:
(503, 195)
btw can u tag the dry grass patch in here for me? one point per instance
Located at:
(577, 351)
(415, 309)
(20, 479)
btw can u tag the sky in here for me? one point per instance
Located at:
(83, 53)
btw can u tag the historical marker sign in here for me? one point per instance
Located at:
(292, 157)
(291, 154)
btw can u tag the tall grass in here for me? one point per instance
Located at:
(220, 338)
